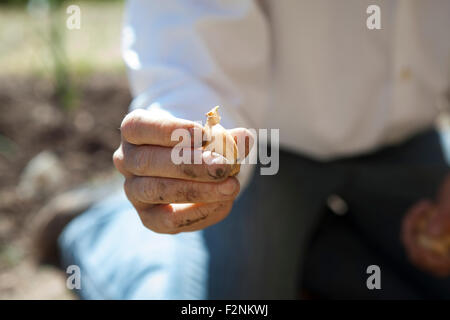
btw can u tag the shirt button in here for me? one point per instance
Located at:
(336, 204)
(405, 73)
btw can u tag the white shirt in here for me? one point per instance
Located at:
(311, 68)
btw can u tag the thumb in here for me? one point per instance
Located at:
(245, 140)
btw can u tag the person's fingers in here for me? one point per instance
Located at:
(175, 218)
(156, 190)
(409, 229)
(439, 223)
(412, 220)
(119, 162)
(429, 261)
(422, 257)
(245, 141)
(437, 264)
(156, 161)
(443, 198)
(142, 127)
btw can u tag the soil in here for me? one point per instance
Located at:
(83, 138)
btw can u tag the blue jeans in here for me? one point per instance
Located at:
(259, 250)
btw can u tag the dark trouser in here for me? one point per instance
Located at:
(279, 238)
(302, 244)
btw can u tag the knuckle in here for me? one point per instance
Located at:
(171, 222)
(222, 208)
(204, 172)
(149, 222)
(127, 187)
(118, 159)
(227, 208)
(137, 159)
(162, 231)
(149, 225)
(218, 172)
(189, 171)
(189, 191)
(155, 223)
(167, 126)
(148, 190)
(140, 161)
(140, 189)
(202, 211)
(130, 123)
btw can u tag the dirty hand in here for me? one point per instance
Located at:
(426, 233)
(172, 198)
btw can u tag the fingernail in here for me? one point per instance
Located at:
(213, 158)
(218, 159)
(227, 188)
(216, 166)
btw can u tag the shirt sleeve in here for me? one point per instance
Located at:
(186, 56)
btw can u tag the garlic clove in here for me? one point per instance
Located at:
(219, 140)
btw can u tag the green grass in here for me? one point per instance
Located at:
(25, 46)
(10, 255)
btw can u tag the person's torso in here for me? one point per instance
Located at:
(338, 88)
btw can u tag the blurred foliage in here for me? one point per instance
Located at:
(24, 39)
(14, 2)
(19, 3)
(65, 92)
(49, 18)
(7, 146)
(10, 255)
